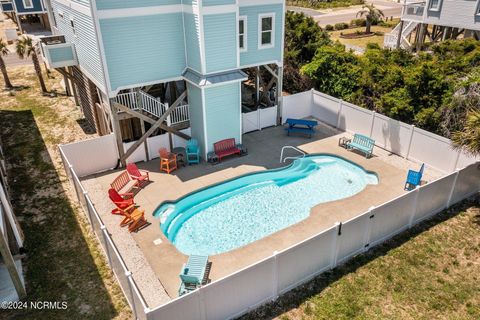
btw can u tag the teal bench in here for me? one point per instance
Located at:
(302, 126)
(362, 143)
(193, 274)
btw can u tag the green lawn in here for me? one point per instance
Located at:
(361, 42)
(64, 260)
(324, 4)
(429, 272)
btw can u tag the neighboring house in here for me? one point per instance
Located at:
(12, 286)
(435, 20)
(140, 57)
(29, 15)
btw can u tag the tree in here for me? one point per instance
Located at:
(371, 14)
(3, 52)
(25, 48)
(469, 138)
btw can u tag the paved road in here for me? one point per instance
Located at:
(324, 17)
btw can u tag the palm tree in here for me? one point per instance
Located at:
(371, 14)
(3, 52)
(25, 48)
(469, 139)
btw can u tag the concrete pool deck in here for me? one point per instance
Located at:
(155, 262)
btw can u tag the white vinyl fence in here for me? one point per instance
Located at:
(259, 119)
(265, 280)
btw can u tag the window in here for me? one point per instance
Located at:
(242, 33)
(435, 4)
(27, 4)
(266, 36)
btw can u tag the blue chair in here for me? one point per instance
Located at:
(193, 273)
(414, 178)
(193, 152)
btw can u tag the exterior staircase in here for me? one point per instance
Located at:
(390, 40)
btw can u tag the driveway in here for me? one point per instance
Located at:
(332, 16)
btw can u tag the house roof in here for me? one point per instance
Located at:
(213, 79)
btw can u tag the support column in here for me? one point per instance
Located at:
(399, 36)
(118, 134)
(257, 85)
(279, 96)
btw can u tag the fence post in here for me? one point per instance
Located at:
(201, 305)
(373, 122)
(449, 201)
(414, 210)
(454, 168)
(412, 131)
(339, 114)
(85, 195)
(275, 276)
(368, 230)
(128, 274)
(335, 245)
(104, 234)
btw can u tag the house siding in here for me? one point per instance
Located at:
(192, 41)
(61, 54)
(220, 32)
(253, 55)
(121, 4)
(85, 39)
(37, 7)
(455, 13)
(222, 113)
(196, 115)
(143, 49)
(207, 3)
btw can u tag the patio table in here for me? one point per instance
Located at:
(181, 155)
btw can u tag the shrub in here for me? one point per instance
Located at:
(341, 26)
(329, 27)
(358, 23)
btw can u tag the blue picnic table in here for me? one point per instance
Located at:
(301, 125)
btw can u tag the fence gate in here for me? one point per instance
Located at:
(259, 119)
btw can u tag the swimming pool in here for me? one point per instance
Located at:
(237, 212)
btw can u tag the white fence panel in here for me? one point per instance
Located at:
(391, 134)
(180, 142)
(433, 197)
(432, 149)
(268, 117)
(250, 121)
(80, 154)
(355, 119)
(465, 160)
(186, 307)
(305, 260)
(155, 143)
(239, 292)
(297, 106)
(468, 182)
(137, 155)
(325, 108)
(352, 238)
(392, 218)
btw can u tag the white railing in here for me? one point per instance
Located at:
(179, 114)
(286, 158)
(128, 99)
(414, 11)
(390, 39)
(152, 105)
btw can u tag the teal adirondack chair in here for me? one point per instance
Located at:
(192, 274)
(193, 152)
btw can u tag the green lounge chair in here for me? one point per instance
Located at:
(192, 273)
(362, 143)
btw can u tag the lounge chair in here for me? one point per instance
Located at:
(121, 202)
(136, 220)
(414, 178)
(168, 161)
(193, 152)
(192, 273)
(137, 174)
(362, 143)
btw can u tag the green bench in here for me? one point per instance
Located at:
(193, 274)
(362, 143)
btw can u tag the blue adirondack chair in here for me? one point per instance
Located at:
(192, 273)
(193, 152)
(414, 178)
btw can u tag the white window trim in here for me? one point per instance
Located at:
(245, 33)
(28, 7)
(477, 8)
(260, 17)
(438, 6)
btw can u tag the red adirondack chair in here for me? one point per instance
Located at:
(137, 174)
(122, 203)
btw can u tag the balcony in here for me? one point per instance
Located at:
(57, 53)
(6, 6)
(413, 11)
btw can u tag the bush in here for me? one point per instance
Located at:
(358, 23)
(329, 27)
(341, 26)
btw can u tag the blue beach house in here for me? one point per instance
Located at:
(29, 15)
(197, 64)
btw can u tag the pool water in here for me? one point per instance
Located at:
(237, 212)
